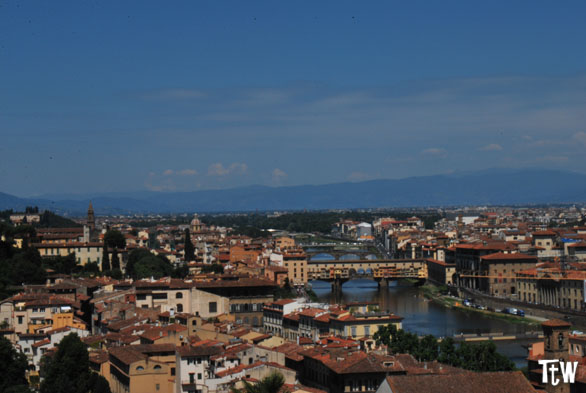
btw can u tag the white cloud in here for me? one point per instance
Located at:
(278, 175)
(168, 172)
(187, 172)
(492, 147)
(218, 169)
(434, 152)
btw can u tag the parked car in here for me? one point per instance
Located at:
(521, 313)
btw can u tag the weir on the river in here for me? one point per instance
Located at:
(424, 317)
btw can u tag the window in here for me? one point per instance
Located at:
(157, 367)
(213, 307)
(353, 331)
(140, 368)
(198, 375)
(179, 295)
(20, 319)
(172, 370)
(367, 330)
(180, 307)
(157, 387)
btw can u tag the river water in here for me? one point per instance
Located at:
(425, 317)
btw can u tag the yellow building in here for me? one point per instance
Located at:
(142, 368)
(295, 261)
(360, 325)
(284, 242)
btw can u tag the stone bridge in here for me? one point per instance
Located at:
(381, 270)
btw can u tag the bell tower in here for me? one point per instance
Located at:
(556, 334)
(91, 220)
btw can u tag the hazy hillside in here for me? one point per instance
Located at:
(491, 187)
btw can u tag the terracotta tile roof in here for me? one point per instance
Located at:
(498, 256)
(200, 350)
(132, 353)
(544, 233)
(311, 312)
(482, 246)
(283, 302)
(294, 316)
(323, 318)
(556, 323)
(492, 382)
(41, 343)
(355, 362)
(98, 357)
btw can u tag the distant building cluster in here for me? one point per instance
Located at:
(243, 308)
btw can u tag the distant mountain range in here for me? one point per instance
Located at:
(489, 187)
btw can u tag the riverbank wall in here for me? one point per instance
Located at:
(577, 319)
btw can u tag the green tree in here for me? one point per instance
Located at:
(27, 267)
(105, 258)
(68, 371)
(181, 271)
(474, 357)
(13, 365)
(272, 383)
(152, 266)
(189, 249)
(483, 357)
(59, 264)
(133, 257)
(448, 353)
(427, 350)
(115, 263)
(114, 239)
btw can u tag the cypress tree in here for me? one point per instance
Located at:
(105, 258)
(115, 260)
(189, 249)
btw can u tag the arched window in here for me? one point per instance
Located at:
(179, 295)
(140, 368)
(180, 307)
(561, 341)
(157, 367)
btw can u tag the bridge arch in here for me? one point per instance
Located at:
(323, 256)
(350, 257)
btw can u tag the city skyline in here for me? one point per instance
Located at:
(110, 97)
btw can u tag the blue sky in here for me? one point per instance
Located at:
(124, 96)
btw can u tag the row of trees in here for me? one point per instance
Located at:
(475, 357)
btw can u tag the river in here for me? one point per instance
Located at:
(425, 317)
